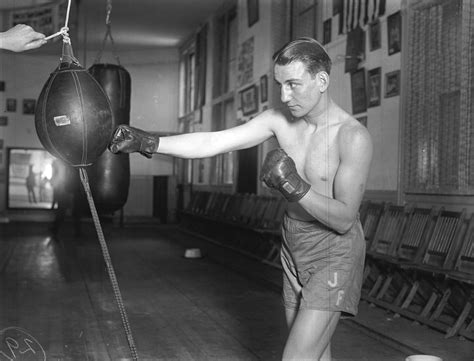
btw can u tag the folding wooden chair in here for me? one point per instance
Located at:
(437, 256)
(381, 255)
(463, 268)
(372, 214)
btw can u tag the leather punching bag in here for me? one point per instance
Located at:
(73, 116)
(110, 174)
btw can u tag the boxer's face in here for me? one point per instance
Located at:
(299, 90)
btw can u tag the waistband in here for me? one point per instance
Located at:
(295, 225)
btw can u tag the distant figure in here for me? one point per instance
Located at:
(30, 185)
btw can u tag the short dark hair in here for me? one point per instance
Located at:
(307, 50)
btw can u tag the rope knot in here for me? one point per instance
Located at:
(65, 33)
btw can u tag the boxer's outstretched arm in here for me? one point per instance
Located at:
(208, 144)
(128, 139)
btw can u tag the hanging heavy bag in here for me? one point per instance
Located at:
(73, 116)
(110, 174)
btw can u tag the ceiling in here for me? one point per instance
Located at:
(135, 24)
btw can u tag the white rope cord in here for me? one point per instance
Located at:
(64, 30)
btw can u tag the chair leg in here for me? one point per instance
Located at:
(384, 288)
(468, 331)
(459, 322)
(376, 286)
(400, 296)
(442, 303)
(411, 294)
(366, 273)
(429, 305)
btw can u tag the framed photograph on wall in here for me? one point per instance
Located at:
(358, 92)
(252, 12)
(394, 33)
(392, 84)
(327, 31)
(29, 106)
(263, 88)
(374, 35)
(374, 87)
(2, 86)
(11, 105)
(249, 100)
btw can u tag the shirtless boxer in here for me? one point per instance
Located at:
(321, 168)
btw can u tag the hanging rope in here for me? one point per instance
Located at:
(108, 262)
(108, 34)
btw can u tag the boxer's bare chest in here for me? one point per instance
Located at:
(315, 153)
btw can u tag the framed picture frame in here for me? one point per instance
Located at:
(374, 82)
(392, 84)
(374, 35)
(2, 86)
(3, 121)
(11, 105)
(358, 91)
(249, 100)
(394, 33)
(263, 88)
(29, 106)
(252, 12)
(327, 26)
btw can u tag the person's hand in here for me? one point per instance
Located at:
(127, 139)
(279, 172)
(20, 38)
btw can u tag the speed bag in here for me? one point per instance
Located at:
(73, 116)
(110, 174)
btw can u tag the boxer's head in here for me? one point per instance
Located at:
(307, 50)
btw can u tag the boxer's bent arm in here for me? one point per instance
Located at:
(208, 144)
(339, 213)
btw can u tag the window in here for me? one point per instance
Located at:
(225, 53)
(224, 84)
(187, 69)
(438, 122)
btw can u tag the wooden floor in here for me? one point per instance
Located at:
(56, 298)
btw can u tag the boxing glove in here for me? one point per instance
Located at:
(279, 172)
(127, 139)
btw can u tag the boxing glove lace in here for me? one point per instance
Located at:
(127, 139)
(279, 172)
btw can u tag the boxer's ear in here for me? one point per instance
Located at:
(323, 80)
